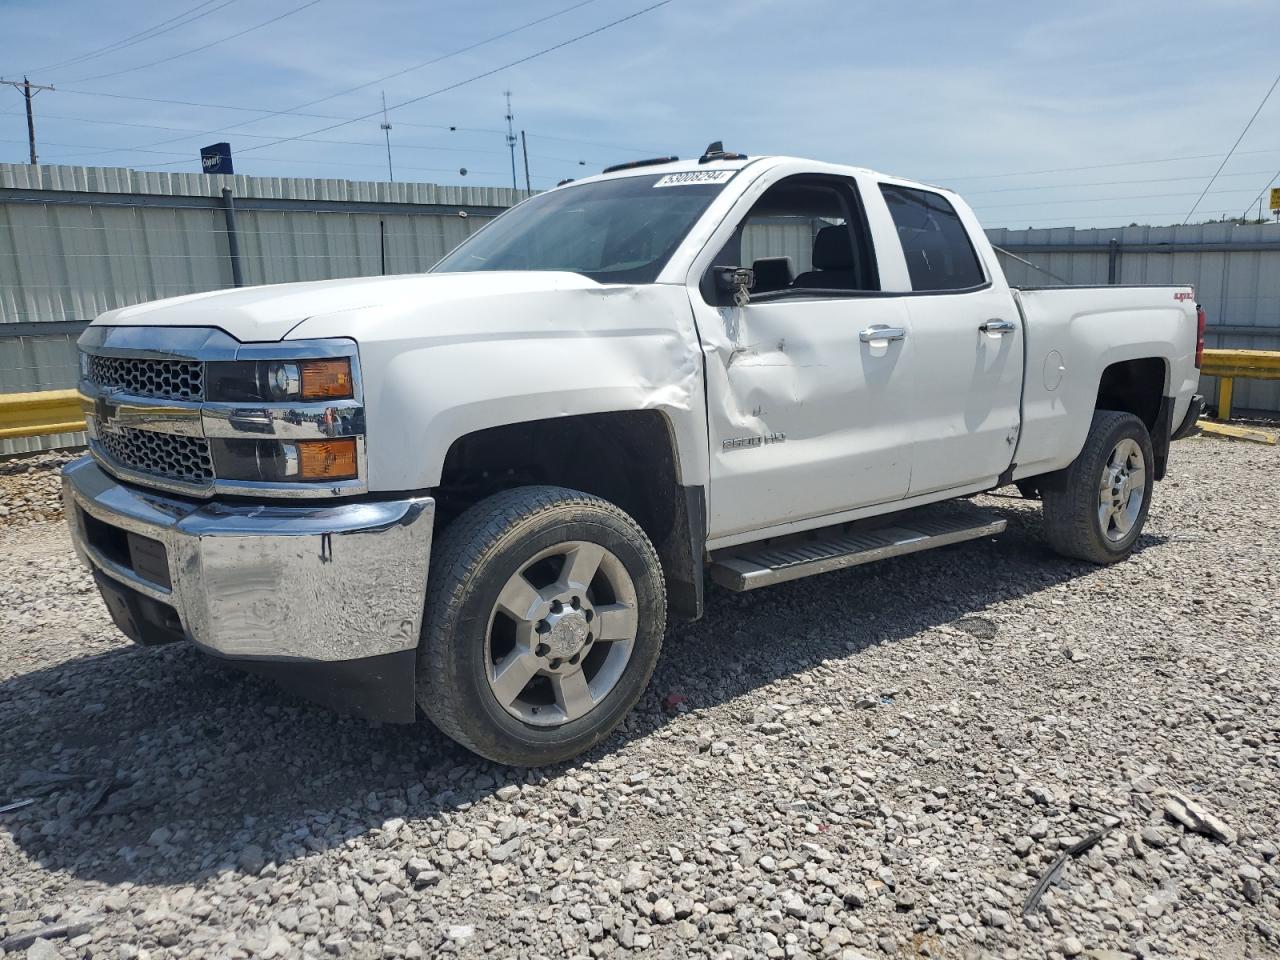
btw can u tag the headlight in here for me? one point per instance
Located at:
(283, 381)
(283, 420)
(280, 381)
(287, 461)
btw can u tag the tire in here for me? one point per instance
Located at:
(489, 623)
(1078, 522)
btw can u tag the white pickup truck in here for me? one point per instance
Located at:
(480, 491)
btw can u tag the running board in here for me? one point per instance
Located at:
(778, 561)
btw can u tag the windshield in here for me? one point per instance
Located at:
(614, 231)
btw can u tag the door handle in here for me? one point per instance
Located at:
(878, 331)
(998, 326)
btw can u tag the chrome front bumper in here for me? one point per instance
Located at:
(321, 583)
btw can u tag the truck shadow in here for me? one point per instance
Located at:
(197, 761)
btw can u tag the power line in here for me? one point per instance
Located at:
(330, 116)
(1104, 183)
(1133, 217)
(593, 143)
(97, 151)
(140, 36)
(205, 46)
(479, 76)
(1120, 199)
(1270, 90)
(330, 163)
(1093, 166)
(398, 73)
(218, 106)
(227, 106)
(273, 136)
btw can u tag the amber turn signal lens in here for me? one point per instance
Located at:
(327, 459)
(325, 379)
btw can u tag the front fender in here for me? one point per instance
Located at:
(431, 377)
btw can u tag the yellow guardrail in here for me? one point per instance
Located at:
(1229, 364)
(58, 411)
(39, 414)
(1233, 432)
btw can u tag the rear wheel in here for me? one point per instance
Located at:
(1095, 509)
(544, 620)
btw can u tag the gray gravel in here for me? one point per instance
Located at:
(880, 761)
(29, 487)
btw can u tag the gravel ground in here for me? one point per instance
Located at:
(879, 761)
(29, 488)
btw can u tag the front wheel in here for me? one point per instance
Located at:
(544, 619)
(1095, 509)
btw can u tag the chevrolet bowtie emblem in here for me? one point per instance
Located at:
(105, 410)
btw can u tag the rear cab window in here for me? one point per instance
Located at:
(940, 256)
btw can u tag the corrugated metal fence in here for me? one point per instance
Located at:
(1235, 269)
(75, 241)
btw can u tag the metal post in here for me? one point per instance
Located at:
(511, 142)
(386, 131)
(28, 91)
(524, 147)
(31, 120)
(1226, 386)
(1113, 260)
(382, 244)
(233, 242)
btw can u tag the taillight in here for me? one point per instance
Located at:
(1199, 336)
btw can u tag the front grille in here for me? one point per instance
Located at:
(167, 379)
(185, 459)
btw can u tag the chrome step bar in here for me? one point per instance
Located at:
(777, 561)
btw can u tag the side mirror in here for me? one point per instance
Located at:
(736, 282)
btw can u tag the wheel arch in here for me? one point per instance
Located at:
(630, 458)
(1141, 386)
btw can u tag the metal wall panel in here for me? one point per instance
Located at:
(780, 238)
(76, 241)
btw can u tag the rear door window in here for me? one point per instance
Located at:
(936, 244)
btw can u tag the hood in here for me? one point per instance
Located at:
(268, 313)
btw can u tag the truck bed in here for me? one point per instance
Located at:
(1073, 333)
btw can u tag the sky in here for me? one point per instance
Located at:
(1047, 115)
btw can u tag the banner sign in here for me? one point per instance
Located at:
(216, 158)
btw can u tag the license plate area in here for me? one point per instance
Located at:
(144, 556)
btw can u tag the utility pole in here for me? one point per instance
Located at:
(29, 90)
(524, 148)
(511, 142)
(386, 132)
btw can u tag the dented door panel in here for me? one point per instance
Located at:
(804, 418)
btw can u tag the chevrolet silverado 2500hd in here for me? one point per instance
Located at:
(481, 490)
